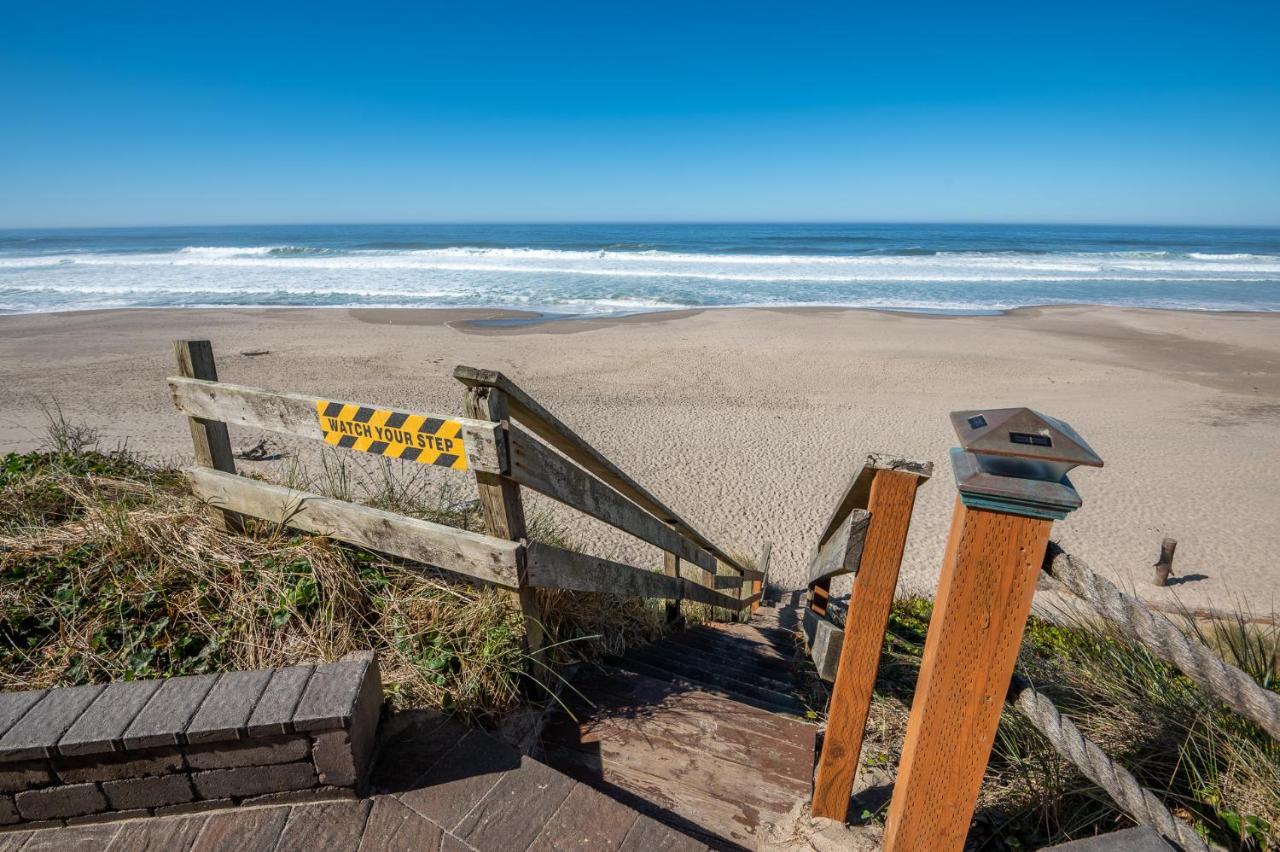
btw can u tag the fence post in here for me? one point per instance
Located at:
(744, 593)
(723, 569)
(671, 567)
(819, 596)
(1011, 478)
(504, 518)
(209, 438)
(891, 500)
(758, 587)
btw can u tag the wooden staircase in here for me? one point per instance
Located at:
(702, 730)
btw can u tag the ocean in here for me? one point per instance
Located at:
(609, 269)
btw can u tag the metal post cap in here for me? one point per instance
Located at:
(1016, 460)
(1024, 433)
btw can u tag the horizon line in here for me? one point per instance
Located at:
(644, 222)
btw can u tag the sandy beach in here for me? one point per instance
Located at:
(749, 421)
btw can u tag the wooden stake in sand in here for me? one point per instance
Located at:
(1164, 565)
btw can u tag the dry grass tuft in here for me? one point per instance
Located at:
(111, 570)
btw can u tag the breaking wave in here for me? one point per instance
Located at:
(910, 276)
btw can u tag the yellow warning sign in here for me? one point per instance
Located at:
(412, 437)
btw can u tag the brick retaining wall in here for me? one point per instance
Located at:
(84, 753)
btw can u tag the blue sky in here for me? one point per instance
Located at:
(341, 112)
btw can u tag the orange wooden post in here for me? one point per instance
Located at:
(1012, 484)
(892, 497)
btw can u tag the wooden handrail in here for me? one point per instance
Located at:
(842, 551)
(855, 497)
(551, 429)
(871, 520)
(535, 466)
(547, 566)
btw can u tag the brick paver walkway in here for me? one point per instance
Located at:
(437, 787)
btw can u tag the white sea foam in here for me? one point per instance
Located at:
(955, 266)
(611, 281)
(226, 251)
(1198, 255)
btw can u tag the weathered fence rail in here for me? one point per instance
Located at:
(583, 478)
(551, 567)
(551, 429)
(502, 457)
(298, 415)
(480, 557)
(535, 466)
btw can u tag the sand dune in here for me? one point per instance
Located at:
(749, 421)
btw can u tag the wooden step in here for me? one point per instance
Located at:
(773, 637)
(740, 668)
(727, 648)
(725, 737)
(677, 780)
(700, 730)
(708, 670)
(621, 691)
(691, 812)
(764, 699)
(686, 688)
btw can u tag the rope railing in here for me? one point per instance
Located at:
(1137, 801)
(1158, 634)
(1167, 641)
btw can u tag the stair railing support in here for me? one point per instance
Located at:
(892, 498)
(504, 518)
(1011, 478)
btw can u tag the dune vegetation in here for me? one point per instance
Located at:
(113, 570)
(1213, 769)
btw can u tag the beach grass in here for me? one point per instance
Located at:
(1212, 768)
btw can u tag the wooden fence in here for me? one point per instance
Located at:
(501, 456)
